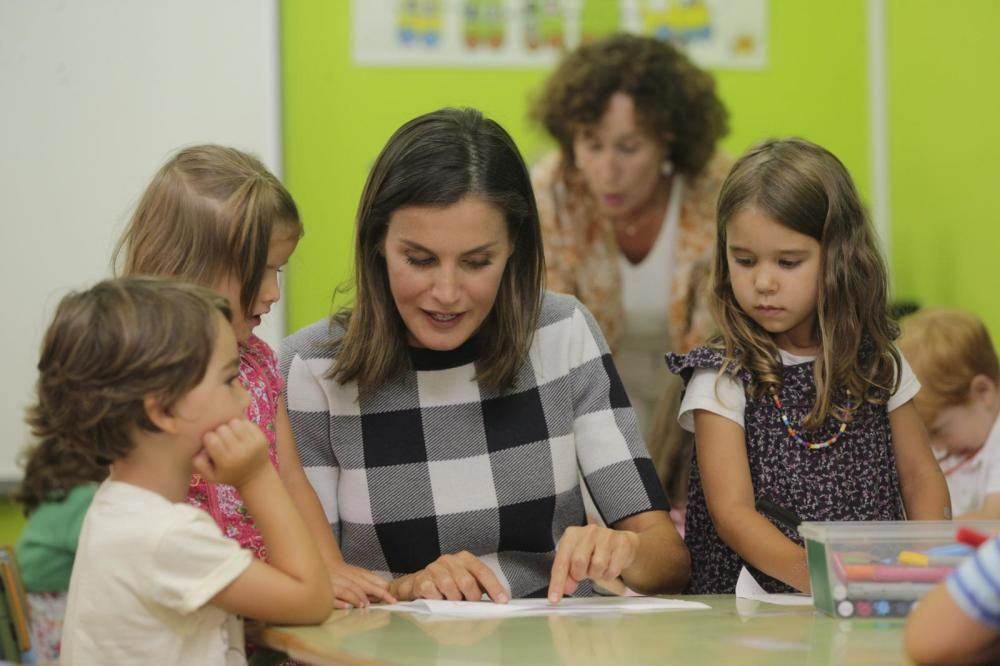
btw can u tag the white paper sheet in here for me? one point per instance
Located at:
(521, 607)
(747, 587)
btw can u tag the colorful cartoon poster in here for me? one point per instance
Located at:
(534, 33)
(715, 33)
(418, 23)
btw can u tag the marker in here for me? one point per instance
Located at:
(891, 591)
(859, 572)
(845, 609)
(857, 558)
(914, 559)
(863, 608)
(895, 573)
(838, 567)
(971, 537)
(786, 517)
(959, 549)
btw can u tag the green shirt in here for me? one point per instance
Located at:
(47, 545)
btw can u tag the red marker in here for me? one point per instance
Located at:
(970, 537)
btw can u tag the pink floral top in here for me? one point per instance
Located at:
(261, 377)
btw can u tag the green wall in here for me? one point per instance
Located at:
(11, 522)
(338, 116)
(944, 69)
(943, 60)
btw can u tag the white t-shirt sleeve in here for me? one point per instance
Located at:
(991, 476)
(726, 397)
(706, 390)
(193, 561)
(908, 386)
(991, 462)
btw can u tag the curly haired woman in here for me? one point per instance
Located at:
(627, 205)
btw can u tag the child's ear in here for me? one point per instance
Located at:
(983, 389)
(159, 415)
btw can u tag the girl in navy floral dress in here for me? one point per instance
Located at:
(802, 398)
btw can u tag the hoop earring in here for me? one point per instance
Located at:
(666, 167)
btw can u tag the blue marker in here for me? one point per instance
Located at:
(954, 549)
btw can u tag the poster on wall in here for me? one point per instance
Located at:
(533, 33)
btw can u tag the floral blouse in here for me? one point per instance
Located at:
(260, 376)
(581, 251)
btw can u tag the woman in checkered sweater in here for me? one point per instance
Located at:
(445, 420)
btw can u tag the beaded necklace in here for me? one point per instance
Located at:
(794, 434)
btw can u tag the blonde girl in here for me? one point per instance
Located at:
(802, 399)
(959, 402)
(217, 217)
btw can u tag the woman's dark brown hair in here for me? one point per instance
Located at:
(435, 160)
(674, 99)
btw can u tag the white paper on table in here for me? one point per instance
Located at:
(747, 587)
(522, 607)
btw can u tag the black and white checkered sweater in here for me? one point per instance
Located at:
(434, 463)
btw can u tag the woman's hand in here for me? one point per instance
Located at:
(453, 577)
(590, 552)
(354, 587)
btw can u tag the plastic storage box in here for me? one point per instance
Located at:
(880, 569)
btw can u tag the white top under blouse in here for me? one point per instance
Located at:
(639, 356)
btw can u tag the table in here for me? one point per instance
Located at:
(737, 631)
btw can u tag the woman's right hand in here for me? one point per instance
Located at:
(455, 577)
(354, 587)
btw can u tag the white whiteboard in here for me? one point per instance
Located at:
(94, 96)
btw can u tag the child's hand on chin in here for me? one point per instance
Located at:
(234, 453)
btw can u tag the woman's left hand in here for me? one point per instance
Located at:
(590, 552)
(354, 587)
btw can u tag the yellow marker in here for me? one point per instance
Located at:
(913, 559)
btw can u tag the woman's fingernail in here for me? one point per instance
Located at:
(502, 598)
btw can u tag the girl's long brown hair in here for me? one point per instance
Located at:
(805, 188)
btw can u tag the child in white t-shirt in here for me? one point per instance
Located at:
(954, 359)
(143, 374)
(802, 400)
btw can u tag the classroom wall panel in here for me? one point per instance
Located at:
(944, 81)
(95, 96)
